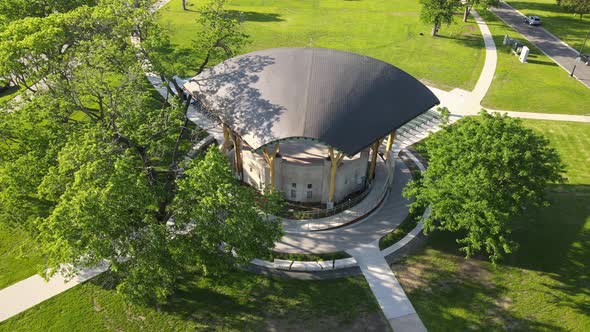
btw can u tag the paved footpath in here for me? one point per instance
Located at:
(462, 103)
(390, 295)
(387, 217)
(553, 47)
(34, 290)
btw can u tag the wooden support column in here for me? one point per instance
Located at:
(335, 160)
(374, 151)
(270, 160)
(390, 140)
(226, 138)
(237, 152)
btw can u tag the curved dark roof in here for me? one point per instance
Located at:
(342, 99)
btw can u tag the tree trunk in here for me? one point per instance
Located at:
(183, 4)
(434, 30)
(466, 14)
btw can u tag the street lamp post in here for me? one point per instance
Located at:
(580, 54)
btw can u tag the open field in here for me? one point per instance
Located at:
(537, 86)
(559, 21)
(389, 31)
(545, 285)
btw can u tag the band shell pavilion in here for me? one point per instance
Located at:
(308, 121)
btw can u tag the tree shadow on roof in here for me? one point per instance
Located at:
(228, 91)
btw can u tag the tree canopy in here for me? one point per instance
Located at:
(470, 4)
(438, 12)
(579, 7)
(92, 159)
(481, 172)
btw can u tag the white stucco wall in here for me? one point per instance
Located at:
(349, 177)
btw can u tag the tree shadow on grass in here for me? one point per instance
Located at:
(554, 240)
(250, 16)
(245, 301)
(451, 293)
(465, 40)
(544, 63)
(539, 6)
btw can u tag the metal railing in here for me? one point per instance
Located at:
(302, 215)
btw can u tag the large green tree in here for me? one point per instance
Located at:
(578, 7)
(12, 10)
(437, 12)
(481, 172)
(93, 160)
(470, 4)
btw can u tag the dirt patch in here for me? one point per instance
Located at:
(365, 322)
(411, 275)
(471, 269)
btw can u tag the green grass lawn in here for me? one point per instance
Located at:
(544, 286)
(386, 30)
(236, 302)
(537, 86)
(19, 257)
(559, 21)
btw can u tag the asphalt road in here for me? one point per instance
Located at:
(548, 43)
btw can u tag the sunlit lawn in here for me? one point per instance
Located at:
(387, 30)
(19, 257)
(537, 86)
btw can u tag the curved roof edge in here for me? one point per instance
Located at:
(343, 100)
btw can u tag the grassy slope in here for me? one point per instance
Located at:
(562, 23)
(544, 286)
(237, 302)
(386, 30)
(18, 256)
(538, 86)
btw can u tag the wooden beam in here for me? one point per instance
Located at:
(226, 138)
(335, 160)
(270, 160)
(390, 139)
(237, 152)
(374, 151)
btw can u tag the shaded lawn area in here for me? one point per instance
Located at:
(545, 285)
(236, 302)
(9, 94)
(537, 86)
(19, 257)
(557, 19)
(386, 30)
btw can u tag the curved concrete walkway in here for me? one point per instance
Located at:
(386, 218)
(463, 103)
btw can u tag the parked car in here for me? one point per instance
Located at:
(532, 20)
